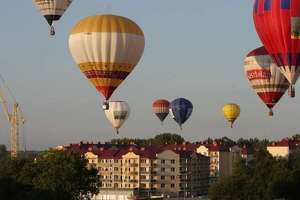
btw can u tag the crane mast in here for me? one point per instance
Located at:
(15, 119)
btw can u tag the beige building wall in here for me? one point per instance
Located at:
(131, 170)
(167, 169)
(279, 151)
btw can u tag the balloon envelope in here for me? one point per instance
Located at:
(277, 23)
(106, 48)
(52, 10)
(231, 112)
(265, 77)
(161, 108)
(181, 109)
(117, 113)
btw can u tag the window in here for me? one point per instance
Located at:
(285, 4)
(162, 177)
(172, 161)
(172, 177)
(116, 169)
(172, 185)
(163, 169)
(143, 161)
(116, 161)
(162, 161)
(172, 169)
(162, 185)
(267, 5)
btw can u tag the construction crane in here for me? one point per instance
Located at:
(15, 118)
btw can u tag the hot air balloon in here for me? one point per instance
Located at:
(117, 113)
(231, 112)
(52, 10)
(161, 109)
(106, 48)
(181, 109)
(265, 77)
(277, 23)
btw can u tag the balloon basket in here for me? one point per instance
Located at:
(105, 106)
(52, 31)
(292, 91)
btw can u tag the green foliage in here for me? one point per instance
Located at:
(51, 175)
(264, 178)
(168, 138)
(165, 138)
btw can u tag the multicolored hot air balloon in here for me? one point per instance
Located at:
(181, 109)
(117, 113)
(52, 10)
(161, 109)
(277, 23)
(107, 48)
(231, 112)
(265, 77)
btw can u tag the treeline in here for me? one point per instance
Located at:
(165, 138)
(263, 178)
(169, 138)
(50, 175)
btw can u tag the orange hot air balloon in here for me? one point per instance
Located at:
(106, 48)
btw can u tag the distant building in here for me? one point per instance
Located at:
(283, 148)
(219, 159)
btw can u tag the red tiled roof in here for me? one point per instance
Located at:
(247, 151)
(286, 142)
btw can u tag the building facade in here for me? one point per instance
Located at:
(283, 148)
(153, 171)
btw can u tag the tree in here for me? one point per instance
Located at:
(168, 138)
(3, 151)
(53, 174)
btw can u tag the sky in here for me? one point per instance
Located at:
(194, 49)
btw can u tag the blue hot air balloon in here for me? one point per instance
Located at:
(181, 109)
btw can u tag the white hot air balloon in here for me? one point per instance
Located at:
(117, 113)
(52, 10)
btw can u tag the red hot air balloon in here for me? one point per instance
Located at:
(161, 109)
(277, 23)
(265, 77)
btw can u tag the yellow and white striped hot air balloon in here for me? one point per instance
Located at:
(117, 113)
(231, 112)
(106, 48)
(52, 10)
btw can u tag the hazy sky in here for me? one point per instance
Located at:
(194, 49)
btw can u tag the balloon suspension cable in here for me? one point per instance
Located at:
(52, 30)
(271, 112)
(292, 91)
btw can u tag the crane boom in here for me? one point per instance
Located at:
(15, 119)
(4, 104)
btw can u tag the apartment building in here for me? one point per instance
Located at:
(153, 171)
